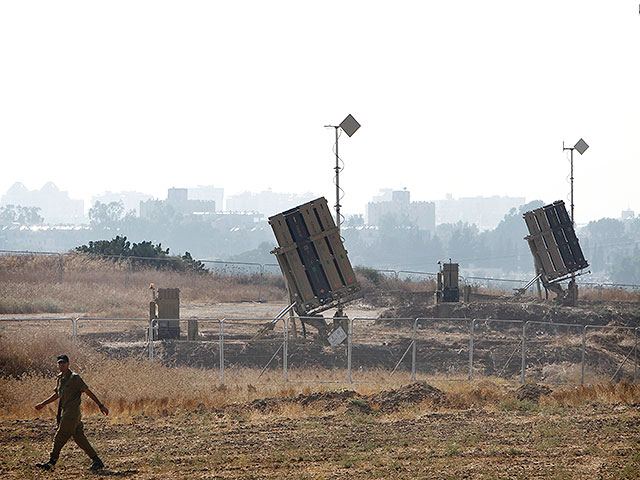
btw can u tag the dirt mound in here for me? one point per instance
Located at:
(418, 304)
(532, 392)
(411, 394)
(388, 401)
(327, 400)
(321, 400)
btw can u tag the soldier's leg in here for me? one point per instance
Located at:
(81, 440)
(66, 428)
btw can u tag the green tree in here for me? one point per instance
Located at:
(627, 270)
(605, 231)
(106, 215)
(144, 253)
(10, 214)
(354, 221)
(119, 246)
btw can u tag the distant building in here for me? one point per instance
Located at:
(267, 203)
(385, 195)
(130, 200)
(485, 212)
(208, 192)
(420, 214)
(55, 206)
(627, 215)
(178, 199)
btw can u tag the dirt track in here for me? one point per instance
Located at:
(345, 435)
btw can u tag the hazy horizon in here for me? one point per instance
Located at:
(467, 98)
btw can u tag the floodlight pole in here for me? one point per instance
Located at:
(573, 223)
(337, 183)
(581, 146)
(349, 125)
(337, 170)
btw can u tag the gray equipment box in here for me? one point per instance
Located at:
(312, 257)
(167, 306)
(448, 290)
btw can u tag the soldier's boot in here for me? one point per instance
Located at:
(97, 464)
(50, 465)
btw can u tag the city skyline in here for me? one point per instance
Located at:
(56, 207)
(474, 99)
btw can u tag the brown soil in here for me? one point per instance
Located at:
(532, 392)
(345, 435)
(553, 354)
(416, 304)
(388, 401)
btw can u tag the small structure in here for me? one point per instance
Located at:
(165, 307)
(448, 289)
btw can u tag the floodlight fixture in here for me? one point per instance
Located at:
(350, 126)
(581, 146)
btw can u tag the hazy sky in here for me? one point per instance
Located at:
(462, 97)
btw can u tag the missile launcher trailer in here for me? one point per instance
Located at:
(313, 261)
(555, 248)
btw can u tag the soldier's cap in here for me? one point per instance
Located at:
(63, 358)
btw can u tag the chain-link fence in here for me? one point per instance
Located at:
(297, 349)
(187, 275)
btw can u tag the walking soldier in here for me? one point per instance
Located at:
(69, 389)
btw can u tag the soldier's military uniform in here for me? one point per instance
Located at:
(68, 392)
(69, 388)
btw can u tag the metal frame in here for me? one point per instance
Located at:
(611, 327)
(471, 341)
(412, 345)
(524, 340)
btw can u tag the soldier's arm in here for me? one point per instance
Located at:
(52, 398)
(93, 397)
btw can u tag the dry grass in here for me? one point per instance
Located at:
(101, 287)
(591, 294)
(135, 386)
(31, 284)
(609, 295)
(610, 393)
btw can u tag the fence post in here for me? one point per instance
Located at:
(471, 348)
(260, 280)
(635, 347)
(584, 348)
(127, 274)
(58, 277)
(413, 353)
(151, 328)
(285, 348)
(349, 346)
(524, 354)
(221, 348)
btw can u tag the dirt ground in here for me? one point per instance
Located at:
(553, 355)
(413, 432)
(266, 310)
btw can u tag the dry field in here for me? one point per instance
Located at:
(169, 422)
(87, 285)
(184, 423)
(480, 431)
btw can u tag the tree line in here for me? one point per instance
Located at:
(144, 254)
(612, 247)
